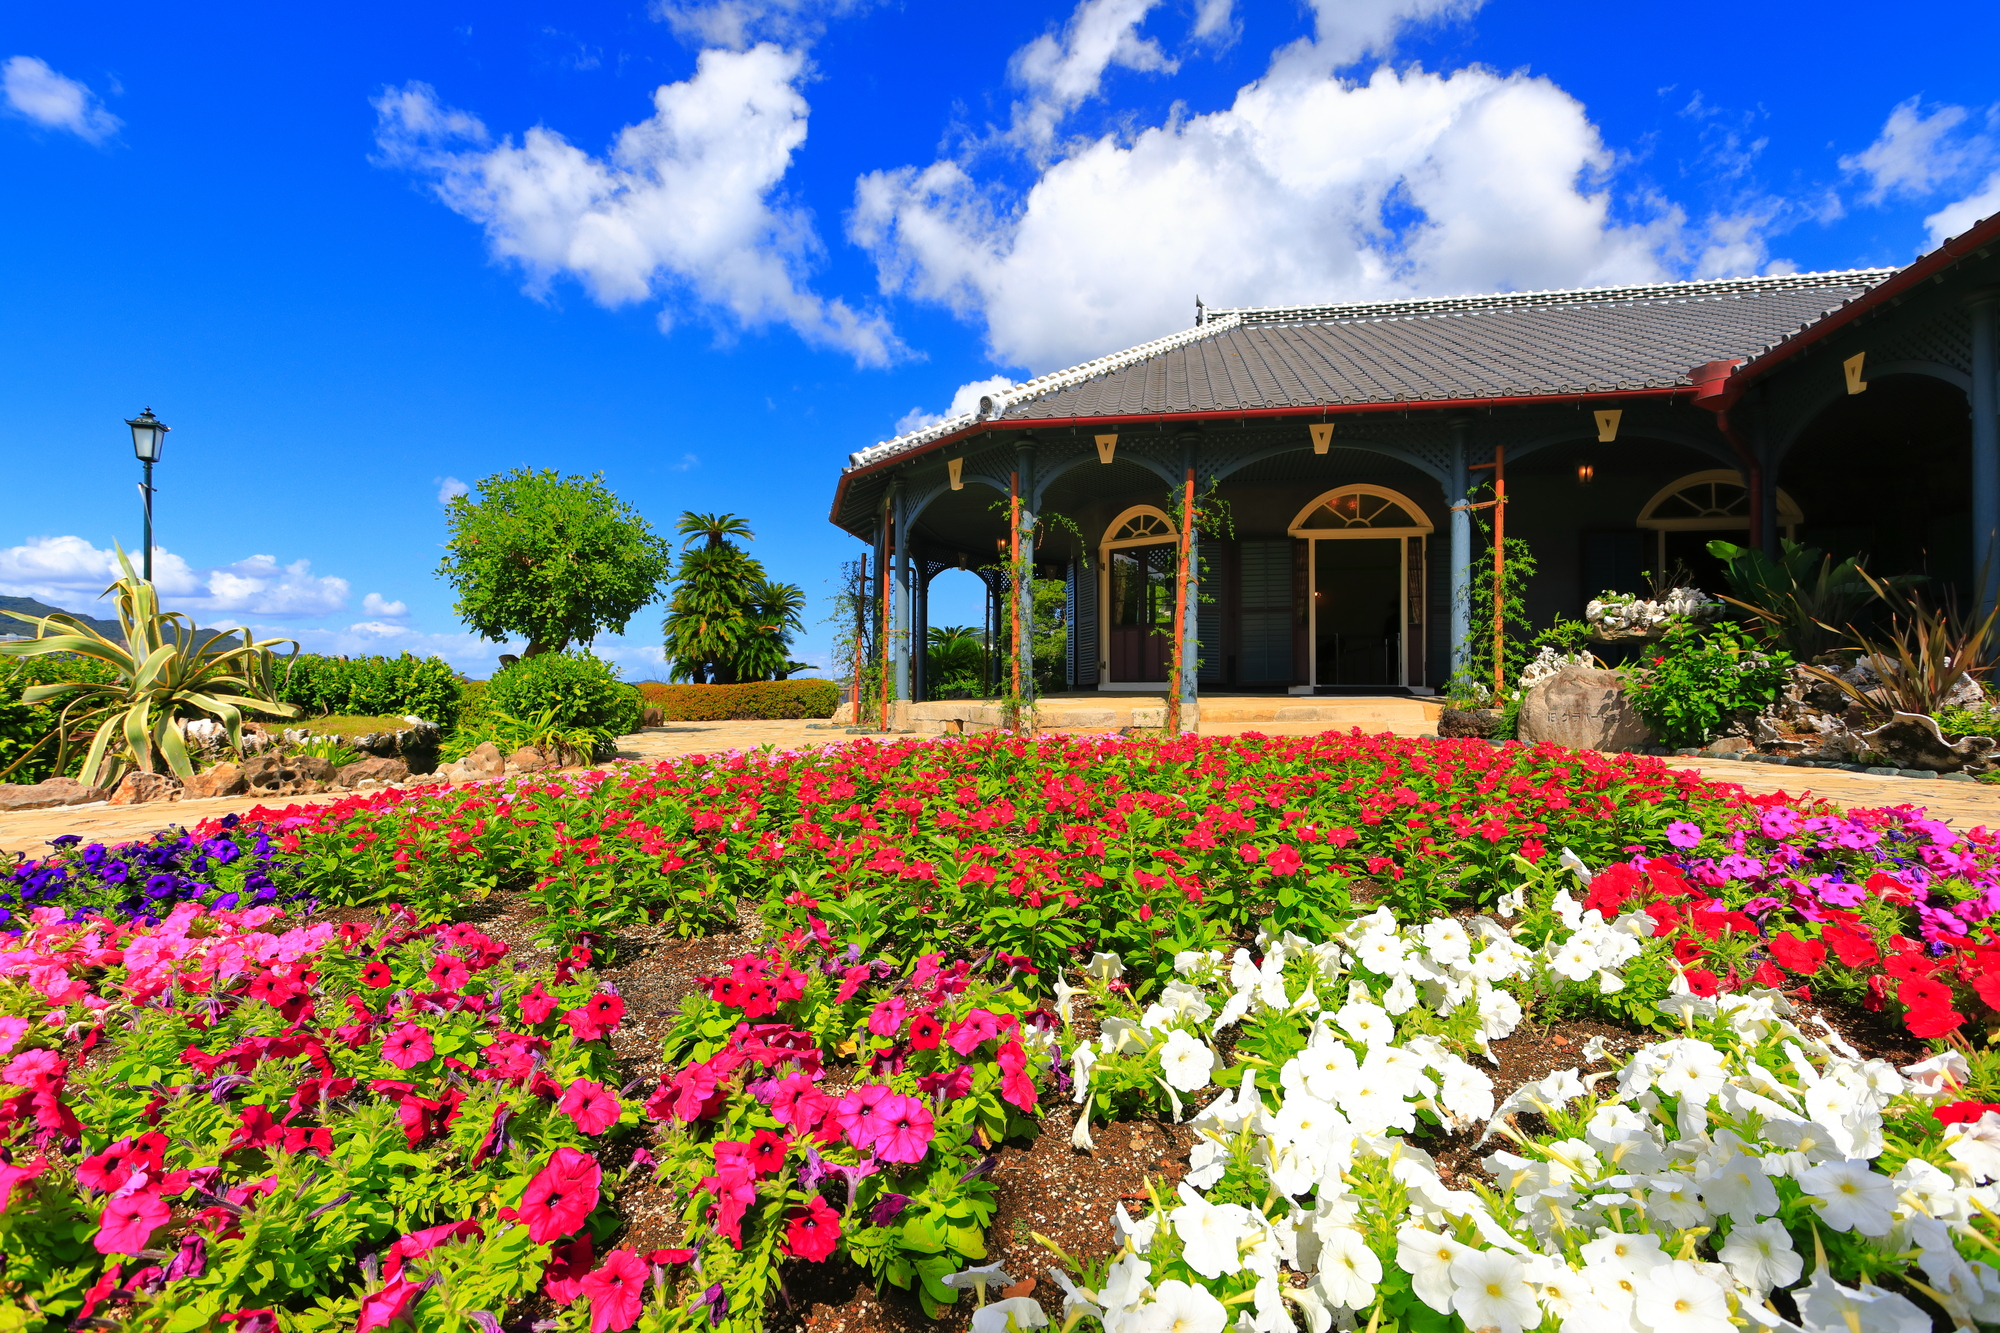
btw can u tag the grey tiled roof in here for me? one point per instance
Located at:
(1511, 345)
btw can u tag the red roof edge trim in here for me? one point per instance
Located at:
(1961, 246)
(1319, 412)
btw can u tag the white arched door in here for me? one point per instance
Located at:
(1365, 566)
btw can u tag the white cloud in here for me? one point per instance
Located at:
(450, 488)
(374, 605)
(1919, 153)
(1952, 219)
(1215, 21)
(1062, 73)
(35, 91)
(685, 206)
(687, 464)
(69, 572)
(965, 400)
(1309, 187)
(738, 24)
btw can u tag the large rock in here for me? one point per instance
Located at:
(47, 794)
(1913, 740)
(485, 761)
(221, 780)
(373, 770)
(137, 788)
(1584, 708)
(416, 745)
(532, 759)
(1483, 723)
(287, 775)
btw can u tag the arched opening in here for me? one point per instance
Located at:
(1686, 514)
(1136, 592)
(1365, 562)
(1887, 475)
(957, 635)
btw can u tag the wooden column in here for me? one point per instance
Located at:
(1178, 680)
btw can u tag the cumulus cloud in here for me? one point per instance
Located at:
(685, 207)
(1309, 187)
(68, 571)
(1952, 219)
(450, 488)
(374, 605)
(38, 93)
(965, 400)
(1919, 152)
(739, 24)
(1062, 71)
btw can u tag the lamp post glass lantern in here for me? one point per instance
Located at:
(149, 436)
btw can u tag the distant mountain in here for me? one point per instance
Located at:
(11, 628)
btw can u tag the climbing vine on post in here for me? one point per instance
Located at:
(1208, 513)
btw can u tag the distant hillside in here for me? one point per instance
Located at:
(11, 628)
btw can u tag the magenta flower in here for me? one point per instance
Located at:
(615, 1292)
(408, 1046)
(976, 1027)
(860, 1113)
(128, 1223)
(561, 1195)
(887, 1019)
(905, 1129)
(592, 1106)
(1683, 834)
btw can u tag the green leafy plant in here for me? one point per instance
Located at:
(1924, 654)
(727, 621)
(1801, 601)
(572, 702)
(954, 662)
(333, 749)
(162, 673)
(557, 560)
(1700, 679)
(25, 727)
(406, 685)
(1471, 683)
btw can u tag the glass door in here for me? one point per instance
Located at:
(1357, 633)
(1141, 611)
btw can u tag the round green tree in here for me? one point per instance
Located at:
(552, 559)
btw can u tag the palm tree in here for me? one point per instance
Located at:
(714, 529)
(776, 612)
(954, 661)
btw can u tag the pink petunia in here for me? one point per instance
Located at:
(390, 1305)
(37, 1071)
(616, 1292)
(12, 1029)
(568, 1265)
(887, 1018)
(561, 1195)
(128, 1223)
(537, 1005)
(419, 1243)
(408, 1046)
(976, 1027)
(905, 1130)
(592, 1106)
(859, 1113)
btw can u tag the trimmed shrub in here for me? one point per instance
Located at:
(763, 700)
(425, 687)
(23, 725)
(584, 691)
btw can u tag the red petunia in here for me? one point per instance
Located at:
(561, 1195)
(408, 1046)
(766, 1153)
(1797, 955)
(1851, 947)
(925, 1031)
(377, 974)
(108, 1170)
(814, 1231)
(1963, 1113)
(419, 1243)
(1702, 982)
(592, 1106)
(616, 1292)
(450, 972)
(537, 1005)
(568, 1265)
(1908, 966)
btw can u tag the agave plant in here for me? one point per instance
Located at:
(163, 674)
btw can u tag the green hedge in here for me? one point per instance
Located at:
(757, 701)
(425, 687)
(23, 725)
(584, 692)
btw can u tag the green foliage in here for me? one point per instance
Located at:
(727, 621)
(1802, 601)
(330, 748)
(1566, 636)
(406, 685)
(555, 559)
(23, 726)
(1471, 684)
(757, 701)
(1982, 720)
(954, 662)
(1700, 679)
(1049, 634)
(571, 700)
(1923, 656)
(160, 674)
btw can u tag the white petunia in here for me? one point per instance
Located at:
(1015, 1312)
(1401, 996)
(1188, 962)
(1079, 1135)
(1105, 967)
(1851, 1196)
(1139, 1235)
(1693, 1069)
(1826, 1307)
(1942, 1075)
(1490, 1290)
(1740, 1188)
(1427, 1258)
(1365, 1022)
(1321, 1068)
(1761, 1255)
(1210, 1233)
(1678, 1298)
(1186, 1062)
(1207, 1161)
(1446, 941)
(1975, 1145)
(1499, 1014)
(1179, 1308)
(1078, 1302)
(1125, 1285)
(1348, 1269)
(1805, 1144)
(1574, 959)
(1466, 1092)
(1380, 952)
(1079, 1072)
(1674, 1200)
(1636, 1253)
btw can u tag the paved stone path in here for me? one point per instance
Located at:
(1964, 804)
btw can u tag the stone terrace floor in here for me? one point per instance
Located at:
(1964, 804)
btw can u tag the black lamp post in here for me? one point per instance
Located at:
(149, 435)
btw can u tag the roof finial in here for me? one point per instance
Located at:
(1200, 312)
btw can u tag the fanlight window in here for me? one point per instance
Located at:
(1707, 499)
(1145, 525)
(1360, 509)
(1712, 501)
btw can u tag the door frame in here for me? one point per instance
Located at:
(1141, 525)
(1415, 633)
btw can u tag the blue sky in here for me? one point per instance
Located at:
(358, 255)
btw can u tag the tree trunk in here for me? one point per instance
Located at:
(536, 648)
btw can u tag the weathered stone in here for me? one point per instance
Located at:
(532, 759)
(1482, 723)
(485, 761)
(221, 780)
(137, 788)
(1913, 741)
(372, 770)
(47, 794)
(416, 745)
(1584, 708)
(1731, 745)
(287, 775)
